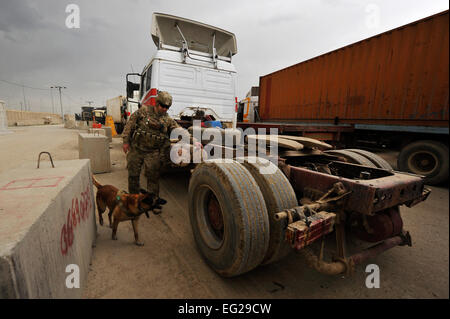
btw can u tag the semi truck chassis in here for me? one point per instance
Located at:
(242, 219)
(368, 205)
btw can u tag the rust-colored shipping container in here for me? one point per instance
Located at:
(400, 77)
(391, 89)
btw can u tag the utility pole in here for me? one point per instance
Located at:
(24, 101)
(53, 104)
(60, 99)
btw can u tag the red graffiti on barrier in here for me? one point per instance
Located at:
(78, 213)
(32, 183)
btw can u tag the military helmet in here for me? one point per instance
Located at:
(164, 98)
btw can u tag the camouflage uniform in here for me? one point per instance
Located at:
(148, 134)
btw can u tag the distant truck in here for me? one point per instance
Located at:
(248, 107)
(86, 113)
(99, 115)
(116, 108)
(391, 89)
(131, 105)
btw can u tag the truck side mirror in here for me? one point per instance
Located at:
(131, 87)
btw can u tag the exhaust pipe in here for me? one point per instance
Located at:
(347, 266)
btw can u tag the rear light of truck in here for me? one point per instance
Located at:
(235, 104)
(299, 234)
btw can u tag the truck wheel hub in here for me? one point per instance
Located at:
(215, 215)
(422, 163)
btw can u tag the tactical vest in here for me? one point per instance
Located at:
(147, 138)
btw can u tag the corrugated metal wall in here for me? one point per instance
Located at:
(398, 77)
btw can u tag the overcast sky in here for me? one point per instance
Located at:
(38, 50)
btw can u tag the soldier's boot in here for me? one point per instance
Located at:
(153, 187)
(133, 184)
(152, 173)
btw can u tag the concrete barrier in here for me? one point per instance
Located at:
(69, 121)
(108, 133)
(96, 148)
(30, 122)
(100, 131)
(21, 118)
(82, 125)
(47, 223)
(3, 119)
(105, 130)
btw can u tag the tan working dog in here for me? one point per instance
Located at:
(123, 206)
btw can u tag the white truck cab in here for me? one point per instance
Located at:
(193, 64)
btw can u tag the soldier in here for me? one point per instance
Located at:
(146, 140)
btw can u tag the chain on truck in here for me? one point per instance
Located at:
(241, 218)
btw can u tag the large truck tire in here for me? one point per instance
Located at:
(428, 158)
(278, 196)
(352, 157)
(377, 160)
(228, 217)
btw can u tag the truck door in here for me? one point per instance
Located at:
(148, 94)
